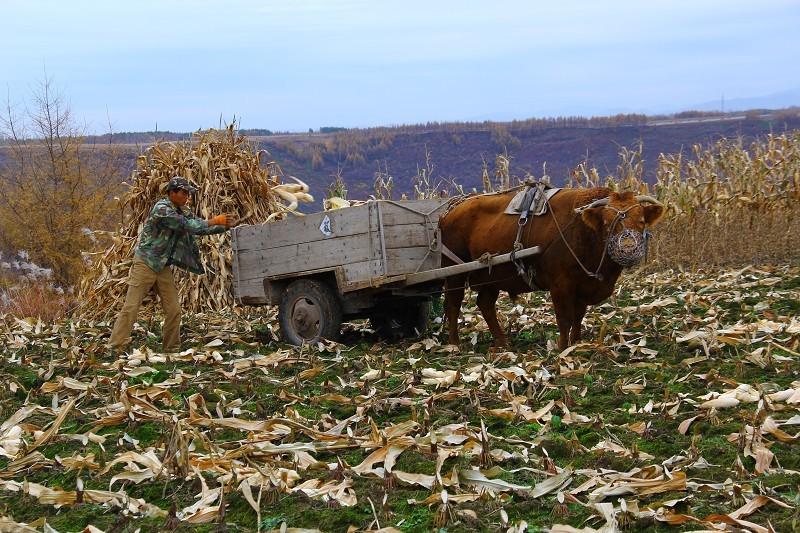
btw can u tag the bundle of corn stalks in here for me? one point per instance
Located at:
(231, 177)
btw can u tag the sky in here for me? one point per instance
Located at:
(296, 65)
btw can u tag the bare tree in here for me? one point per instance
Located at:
(55, 186)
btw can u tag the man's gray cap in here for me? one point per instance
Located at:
(179, 182)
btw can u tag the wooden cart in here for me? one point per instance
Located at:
(379, 260)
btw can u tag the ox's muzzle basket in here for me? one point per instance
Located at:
(628, 247)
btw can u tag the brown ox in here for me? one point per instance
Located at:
(573, 265)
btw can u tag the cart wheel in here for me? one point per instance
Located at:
(309, 312)
(406, 320)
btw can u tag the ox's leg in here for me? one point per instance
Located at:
(454, 289)
(487, 303)
(578, 312)
(563, 305)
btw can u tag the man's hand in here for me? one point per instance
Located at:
(228, 221)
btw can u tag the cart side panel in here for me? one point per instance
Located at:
(366, 245)
(290, 259)
(312, 243)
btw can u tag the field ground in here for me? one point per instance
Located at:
(680, 412)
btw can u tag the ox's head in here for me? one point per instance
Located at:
(623, 220)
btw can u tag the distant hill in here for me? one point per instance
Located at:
(779, 100)
(725, 103)
(459, 152)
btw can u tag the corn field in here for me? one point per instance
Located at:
(666, 422)
(727, 204)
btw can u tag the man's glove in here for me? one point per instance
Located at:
(218, 220)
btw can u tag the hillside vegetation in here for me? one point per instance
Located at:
(465, 153)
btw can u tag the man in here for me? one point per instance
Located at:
(166, 240)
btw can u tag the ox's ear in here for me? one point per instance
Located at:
(653, 213)
(593, 217)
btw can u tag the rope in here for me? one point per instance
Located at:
(596, 274)
(563, 238)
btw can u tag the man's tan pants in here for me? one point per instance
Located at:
(140, 279)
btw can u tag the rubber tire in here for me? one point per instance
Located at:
(309, 312)
(403, 321)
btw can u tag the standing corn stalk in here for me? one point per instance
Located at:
(728, 203)
(731, 202)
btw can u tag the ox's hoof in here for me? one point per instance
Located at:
(503, 344)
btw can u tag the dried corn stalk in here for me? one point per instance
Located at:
(727, 203)
(231, 177)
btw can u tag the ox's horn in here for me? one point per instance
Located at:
(597, 203)
(647, 199)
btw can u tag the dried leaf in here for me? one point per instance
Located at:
(553, 484)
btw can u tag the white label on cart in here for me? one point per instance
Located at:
(325, 227)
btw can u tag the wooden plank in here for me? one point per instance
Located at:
(410, 260)
(399, 217)
(304, 256)
(305, 229)
(408, 236)
(411, 211)
(443, 272)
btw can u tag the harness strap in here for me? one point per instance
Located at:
(530, 194)
(529, 276)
